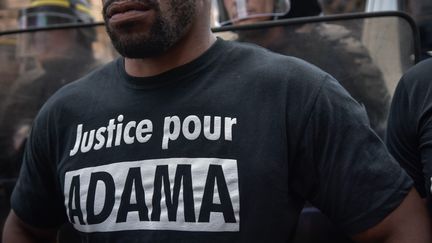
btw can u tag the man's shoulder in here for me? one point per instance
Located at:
(258, 59)
(88, 82)
(81, 90)
(97, 76)
(419, 76)
(253, 52)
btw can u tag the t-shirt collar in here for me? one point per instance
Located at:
(174, 75)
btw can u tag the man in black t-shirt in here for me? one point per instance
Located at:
(189, 138)
(409, 134)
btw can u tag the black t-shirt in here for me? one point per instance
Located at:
(409, 133)
(226, 148)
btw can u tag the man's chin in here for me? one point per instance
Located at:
(146, 54)
(139, 49)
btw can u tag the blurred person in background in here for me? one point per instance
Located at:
(59, 56)
(50, 59)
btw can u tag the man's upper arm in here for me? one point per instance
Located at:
(37, 198)
(407, 223)
(17, 231)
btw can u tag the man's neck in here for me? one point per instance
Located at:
(185, 51)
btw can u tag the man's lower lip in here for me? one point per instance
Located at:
(128, 16)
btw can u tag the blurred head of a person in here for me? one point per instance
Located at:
(48, 45)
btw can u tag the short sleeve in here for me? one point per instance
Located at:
(37, 198)
(423, 169)
(402, 137)
(426, 160)
(349, 174)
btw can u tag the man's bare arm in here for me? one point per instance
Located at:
(406, 224)
(17, 231)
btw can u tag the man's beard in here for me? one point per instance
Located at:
(165, 31)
